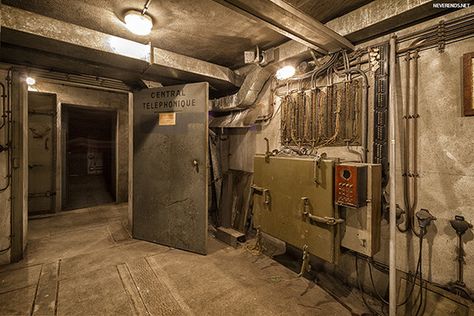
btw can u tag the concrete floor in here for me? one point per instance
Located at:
(87, 191)
(85, 263)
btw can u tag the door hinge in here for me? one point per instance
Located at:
(41, 194)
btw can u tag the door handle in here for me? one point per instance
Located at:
(196, 165)
(319, 219)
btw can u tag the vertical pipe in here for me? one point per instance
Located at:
(130, 161)
(393, 209)
(414, 116)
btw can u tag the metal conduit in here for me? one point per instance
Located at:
(392, 183)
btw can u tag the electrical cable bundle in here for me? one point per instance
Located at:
(418, 271)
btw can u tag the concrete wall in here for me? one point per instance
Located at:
(14, 200)
(445, 160)
(446, 163)
(99, 99)
(5, 211)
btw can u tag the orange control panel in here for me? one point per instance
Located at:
(351, 185)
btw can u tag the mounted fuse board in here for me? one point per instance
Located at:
(294, 202)
(361, 229)
(351, 185)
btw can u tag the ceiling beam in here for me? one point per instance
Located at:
(381, 16)
(290, 22)
(24, 29)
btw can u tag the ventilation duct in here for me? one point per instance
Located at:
(248, 92)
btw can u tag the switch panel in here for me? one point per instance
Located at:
(351, 185)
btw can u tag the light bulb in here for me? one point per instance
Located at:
(138, 23)
(30, 81)
(285, 72)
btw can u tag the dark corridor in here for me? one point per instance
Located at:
(90, 157)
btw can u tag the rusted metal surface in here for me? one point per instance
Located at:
(170, 176)
(292, 23)
(281, 187)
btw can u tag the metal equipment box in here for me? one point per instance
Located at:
(294, 202)
(361, 229)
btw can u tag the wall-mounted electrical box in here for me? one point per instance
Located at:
(361, 229)
(351, 185)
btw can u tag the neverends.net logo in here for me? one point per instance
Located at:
(451, 5)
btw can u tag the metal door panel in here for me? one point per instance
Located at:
(288, 180)
(170, 166)
(41, 152)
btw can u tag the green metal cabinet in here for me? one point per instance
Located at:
(281, 187)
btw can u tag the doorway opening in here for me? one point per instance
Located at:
(89, 159)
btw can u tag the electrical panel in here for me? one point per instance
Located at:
(351, 185)
(361, 229)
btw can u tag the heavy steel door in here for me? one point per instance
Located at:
(41, 152)
(170, 154)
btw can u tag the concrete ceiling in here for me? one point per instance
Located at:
(325, 11)
(201, 29)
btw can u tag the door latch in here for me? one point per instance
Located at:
(327, 220)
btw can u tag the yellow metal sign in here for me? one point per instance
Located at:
(167, 119)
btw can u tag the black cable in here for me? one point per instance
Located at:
(422, 232)
(411, 290)
(361, 289)
(383, 269)
(373, 285)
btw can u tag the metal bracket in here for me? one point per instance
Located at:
(262, 191)
(258, 248)
(268, 153)
(441, 36)
(305, 266)
(332, 221)
(317, 165)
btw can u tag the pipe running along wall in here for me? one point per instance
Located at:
(392, 182)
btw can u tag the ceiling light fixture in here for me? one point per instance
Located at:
(30, 81)
(285, 72)
(138, 23)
